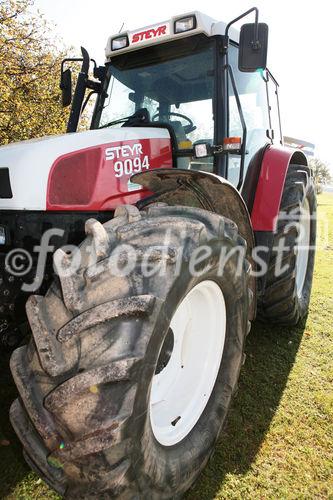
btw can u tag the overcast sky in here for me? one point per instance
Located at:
(300, 48)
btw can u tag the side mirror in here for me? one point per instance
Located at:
(253, 44)
(66, 87)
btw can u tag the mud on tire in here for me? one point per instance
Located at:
(85, 378)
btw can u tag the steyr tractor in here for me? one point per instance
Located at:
(153, 239)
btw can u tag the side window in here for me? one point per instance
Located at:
(273, 100)
(150, 104)
(253, 97)
(122, 105)
(201, 114)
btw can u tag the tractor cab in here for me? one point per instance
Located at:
(192, 75)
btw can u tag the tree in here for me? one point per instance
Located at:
(321, 173)
(29, 75)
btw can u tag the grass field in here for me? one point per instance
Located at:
(278, 442)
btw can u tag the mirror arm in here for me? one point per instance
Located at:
(69, 59)
(272, 77)
(255, 43)
(95, 86)
(81, 59)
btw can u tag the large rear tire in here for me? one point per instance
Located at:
(287, 295)
(128, 379)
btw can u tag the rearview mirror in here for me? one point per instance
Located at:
(253, 44)
(66, 87)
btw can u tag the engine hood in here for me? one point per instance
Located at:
(30, 163)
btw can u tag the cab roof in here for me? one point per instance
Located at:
(165, 32)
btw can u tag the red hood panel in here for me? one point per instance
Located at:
(98, 177)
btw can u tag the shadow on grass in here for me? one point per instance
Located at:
(271, 353)
(12, 465)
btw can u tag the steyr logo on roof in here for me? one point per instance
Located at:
(154, 32)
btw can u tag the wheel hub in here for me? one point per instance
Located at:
(188, 364)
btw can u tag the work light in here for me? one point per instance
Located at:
(2, 236)
(119, 43)
(202, 150)
(185, 24)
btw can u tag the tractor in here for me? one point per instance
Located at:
(153, 239)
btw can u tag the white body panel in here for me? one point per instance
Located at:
(205, 24)
(29, 162)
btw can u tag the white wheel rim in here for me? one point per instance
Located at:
(303, 247)
(180, 391)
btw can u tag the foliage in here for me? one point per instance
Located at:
(321, 173)
(29, 75)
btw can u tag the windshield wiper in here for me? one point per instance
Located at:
(140, 116)
(115, 122)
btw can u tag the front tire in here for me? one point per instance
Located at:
(91, 379)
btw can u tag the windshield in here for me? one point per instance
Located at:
(173, 81)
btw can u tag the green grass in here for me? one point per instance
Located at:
(278, 442)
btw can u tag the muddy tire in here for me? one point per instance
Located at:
(286, 297)
(100, 338)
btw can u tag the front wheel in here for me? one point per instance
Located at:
(131, 376)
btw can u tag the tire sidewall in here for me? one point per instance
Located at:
(304, 298)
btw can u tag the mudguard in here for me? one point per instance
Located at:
(202, 190)
(198, 189)
(270, 185)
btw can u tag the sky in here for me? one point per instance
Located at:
(299, 54)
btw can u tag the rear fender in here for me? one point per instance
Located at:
(267, 199)
(266, 206)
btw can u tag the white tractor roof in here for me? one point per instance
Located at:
(164, 32)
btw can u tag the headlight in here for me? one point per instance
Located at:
(185, 24)
(119, 43)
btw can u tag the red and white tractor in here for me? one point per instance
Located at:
(153, 240)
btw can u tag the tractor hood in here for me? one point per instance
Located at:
(81, 171)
